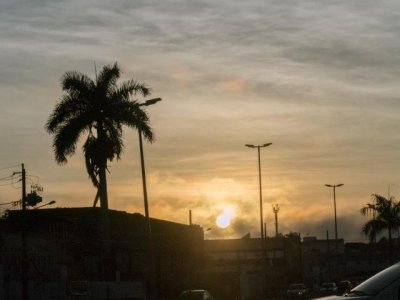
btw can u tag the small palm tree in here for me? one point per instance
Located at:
(97, 109)
(386, 216)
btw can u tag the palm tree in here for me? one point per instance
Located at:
(97, 109)
(386, 216)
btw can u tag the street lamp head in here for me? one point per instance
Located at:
(151, 101)
(334, 185)
(47, 204)
(267, 144)
(250, 146)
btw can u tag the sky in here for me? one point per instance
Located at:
(318, 79)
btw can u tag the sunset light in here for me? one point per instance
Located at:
(224, 219)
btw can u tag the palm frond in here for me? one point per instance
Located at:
(133, 87)
(386, 214)
(76, 82)
(107, 79)
(66, 138)
(130, 114)
(68, 108)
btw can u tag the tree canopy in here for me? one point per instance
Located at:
(97, 109)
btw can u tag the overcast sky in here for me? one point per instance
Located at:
(318, 79)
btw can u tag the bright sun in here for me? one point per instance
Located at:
(224, 219)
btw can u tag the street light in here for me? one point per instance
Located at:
(259, 180)
(43, 205)
(153, 292)
(334, 186)
(146, 205)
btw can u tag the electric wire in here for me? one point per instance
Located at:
(7, 177)
(12, 202)
(10, 167)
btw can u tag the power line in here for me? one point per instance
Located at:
(10, 167)
(12, 202)
(5, 184)
(7, 177)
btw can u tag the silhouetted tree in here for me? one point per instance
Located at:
(386, 216)
(97, 109)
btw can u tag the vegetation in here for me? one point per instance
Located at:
(97, 109)
(385, 216)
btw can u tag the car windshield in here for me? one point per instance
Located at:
(376, 283)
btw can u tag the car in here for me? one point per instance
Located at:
(344, 286)
(297, 290)
(384, 285)
(328, 288)
(195, 295)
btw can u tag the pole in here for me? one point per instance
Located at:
(262, 231)
(23, 188)
(259, 182)
(24, 261)
(301, 259)
(261, 204)
(146, 206)
(336, 234)
(334, 186)
(152, 282)
(150, 251)
(328, 256)
(275, 209)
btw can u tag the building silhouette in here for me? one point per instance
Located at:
(69, 257)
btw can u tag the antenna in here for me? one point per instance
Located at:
(95, 69)
(275, 209)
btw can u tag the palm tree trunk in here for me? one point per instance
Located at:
(102, 168)
(103, 187)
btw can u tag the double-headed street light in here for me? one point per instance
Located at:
(334, 186)
(259, 180)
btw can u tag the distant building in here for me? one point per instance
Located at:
(353, 261)
(80, 251)
(251, 268)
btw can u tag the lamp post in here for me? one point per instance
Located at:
(146, 205)
(152, 289)
(334, 186)
(47, 204)
(259, 181)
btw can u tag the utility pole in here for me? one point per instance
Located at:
(24, 260)
(275, 209)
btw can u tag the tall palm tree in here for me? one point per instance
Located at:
(97, 109)
(386, 216)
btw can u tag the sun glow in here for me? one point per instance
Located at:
(224, 219)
